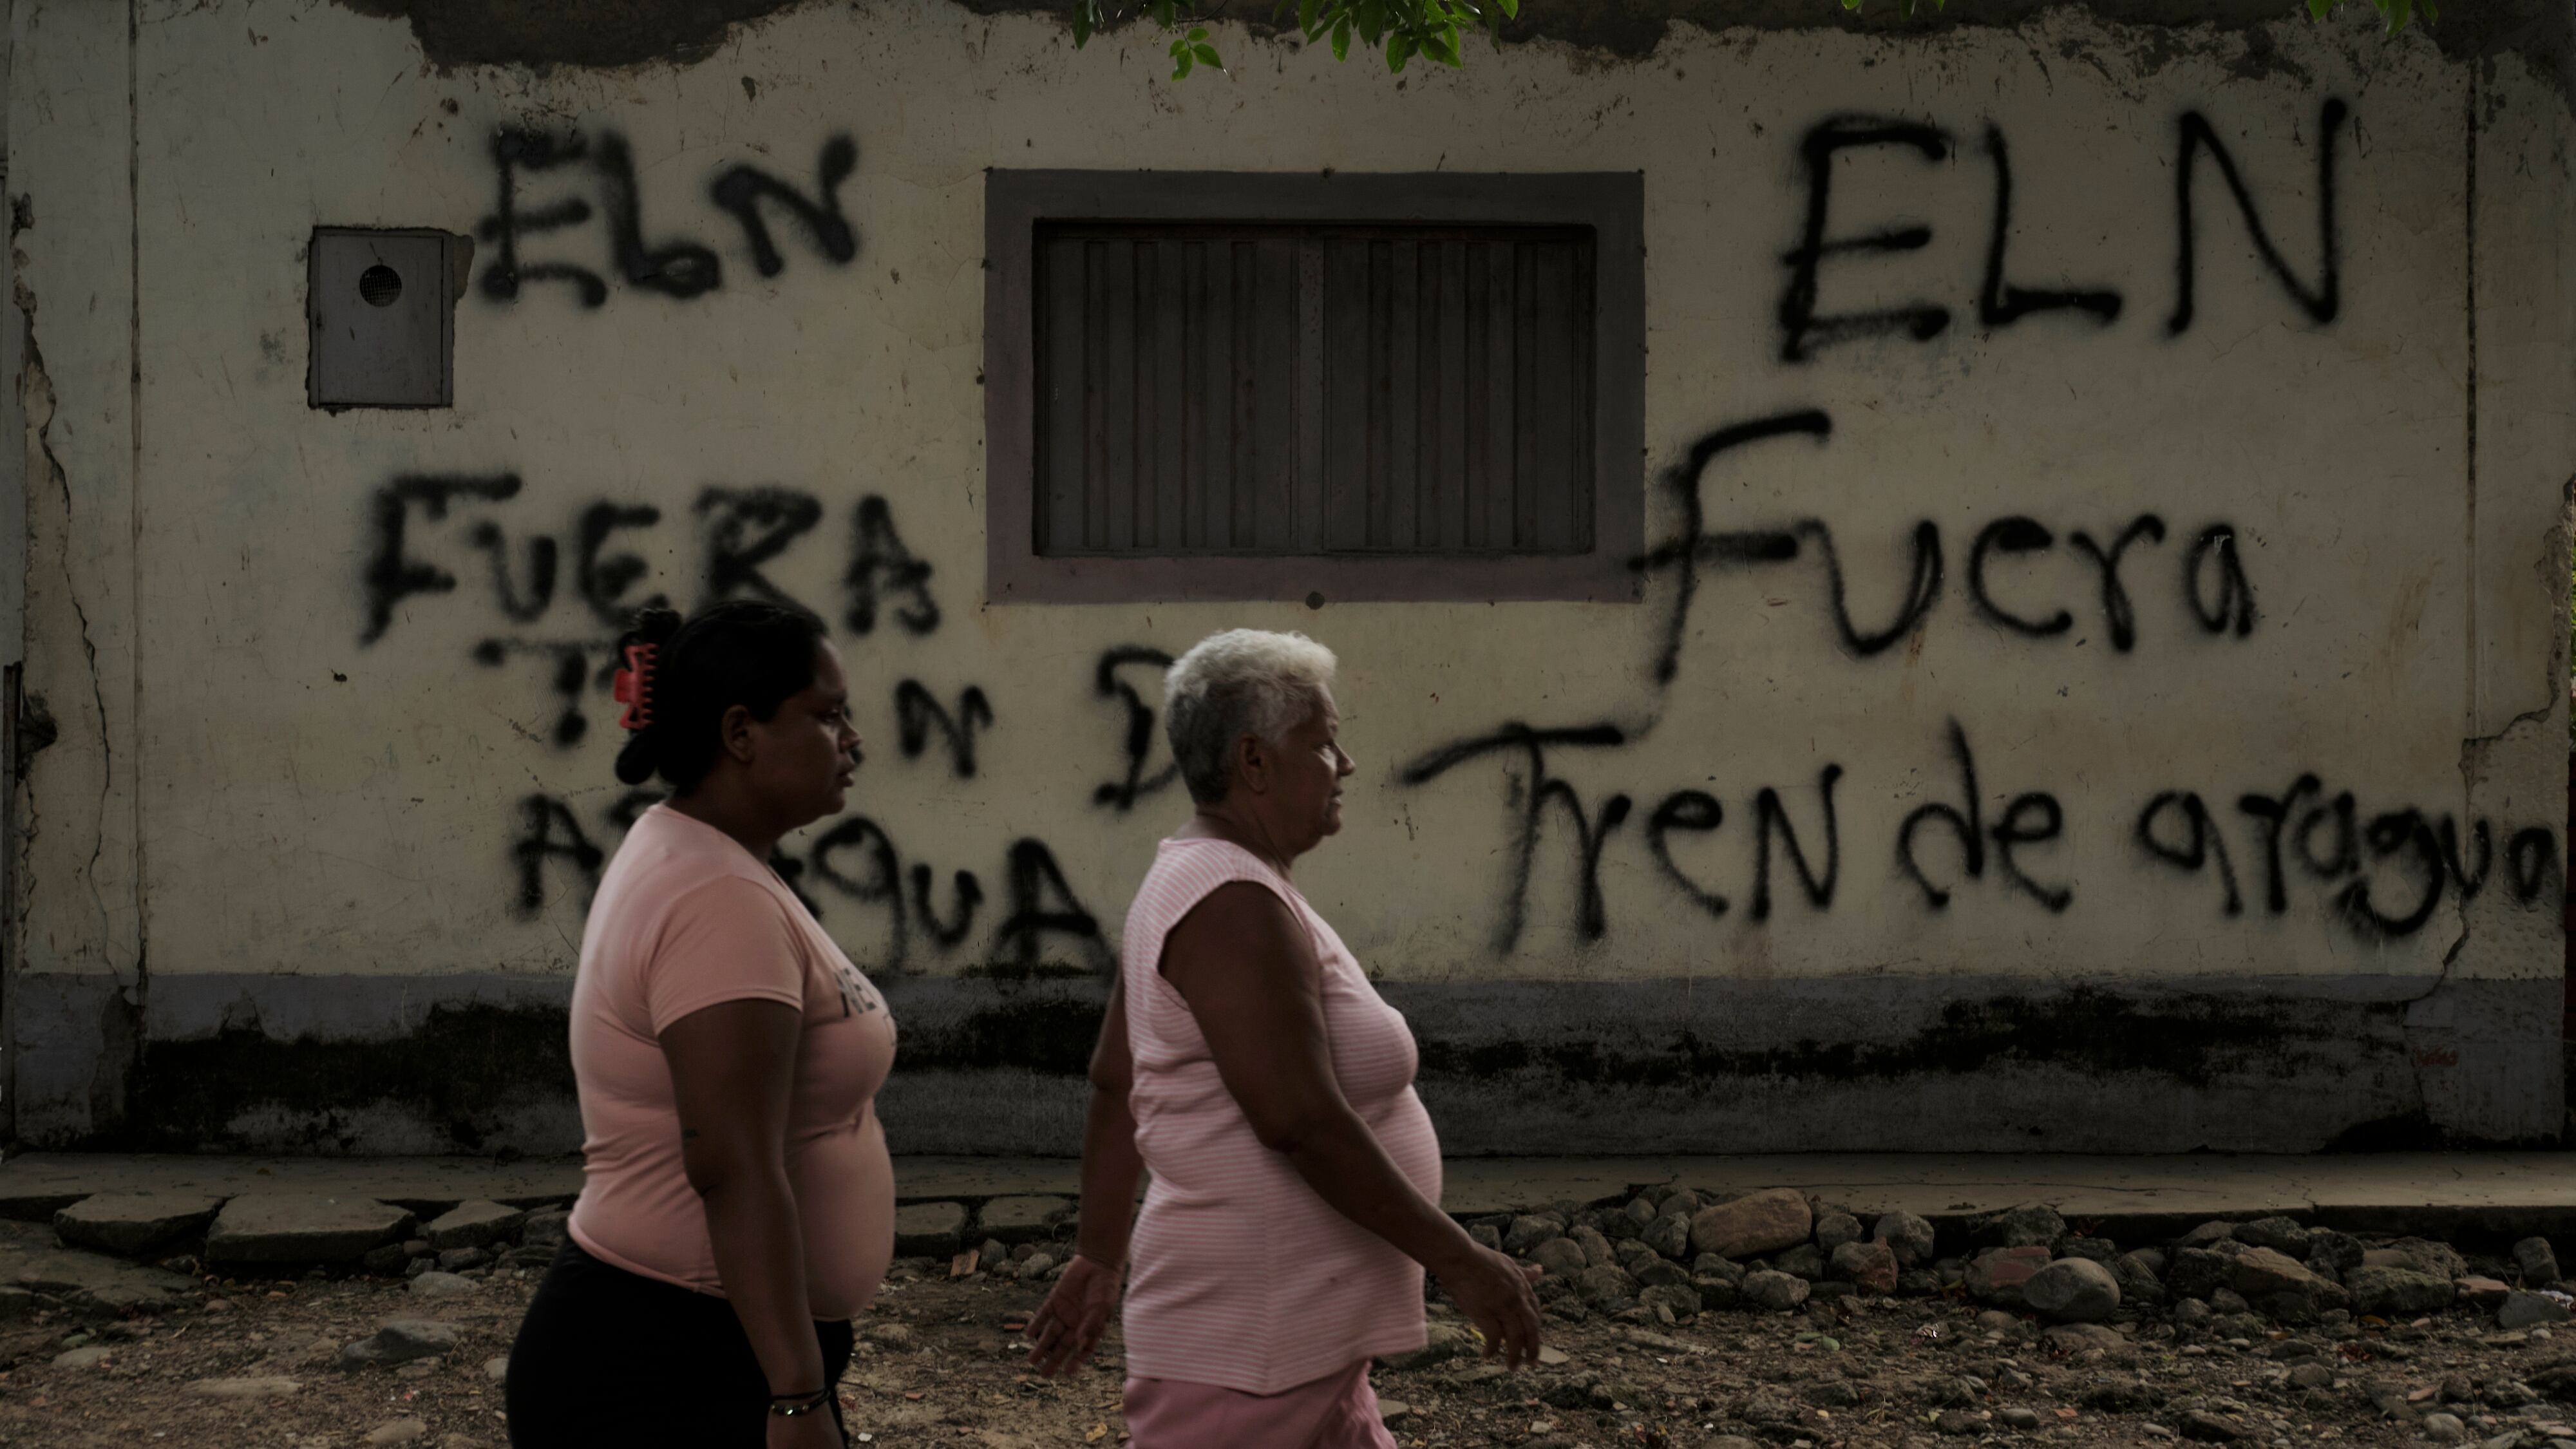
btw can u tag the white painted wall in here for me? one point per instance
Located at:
(243, 784)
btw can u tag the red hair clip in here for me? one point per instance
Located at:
(633, 687)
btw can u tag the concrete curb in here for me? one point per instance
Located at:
(2131, 1198)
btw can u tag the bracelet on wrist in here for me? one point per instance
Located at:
(790, 1406)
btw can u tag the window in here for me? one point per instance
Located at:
(1248, 386)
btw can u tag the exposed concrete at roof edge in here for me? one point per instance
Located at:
(633, 32)
(569, 32)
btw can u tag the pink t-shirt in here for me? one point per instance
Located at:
(686, 918)
(1242, 1277)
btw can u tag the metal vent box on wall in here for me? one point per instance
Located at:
(380, 304)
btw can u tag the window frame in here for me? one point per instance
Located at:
(1612, 204)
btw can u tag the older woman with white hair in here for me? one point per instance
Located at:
(1247, 1061)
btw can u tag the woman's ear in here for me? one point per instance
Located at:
(1252, 763)
(735, 730)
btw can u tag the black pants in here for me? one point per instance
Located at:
(606, 1357)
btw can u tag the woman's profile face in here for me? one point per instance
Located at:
(1309, 773)
(808, 750)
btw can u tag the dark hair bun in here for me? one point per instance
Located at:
(639, 759)
(653, 625)
(642, 754)
(748, 652)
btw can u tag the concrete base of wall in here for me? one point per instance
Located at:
(376, 1065)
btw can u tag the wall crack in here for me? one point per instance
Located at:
(36, 402)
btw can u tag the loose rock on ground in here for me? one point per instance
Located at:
(1834, 1338)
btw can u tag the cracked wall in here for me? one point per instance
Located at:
(79, 920)
(2095, 681)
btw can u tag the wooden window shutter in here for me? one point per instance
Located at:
(1313, 389)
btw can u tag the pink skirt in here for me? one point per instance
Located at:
(1337, 1411)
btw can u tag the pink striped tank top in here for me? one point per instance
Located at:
(1241, 1276)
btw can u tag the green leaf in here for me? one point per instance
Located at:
(1207, 56)
(1342, 38)
(1511, 9)
(1182, 70)
(1443, 51)
(1399, 49)
(1084, 20)
(2317, 9)
(1306, 17)
(1198, 32)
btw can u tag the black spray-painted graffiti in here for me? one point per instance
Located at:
(2001, 303)
(1699, 813)
(419, 539)
(1137, 742)
(746, 528)
(2320, 300)
(1529, 790)
(881, 568)
(917, 712)
(2179, 829)
(576, 669)
(676, 268)
(1043, 928)
(1807, 326)
(1944, 844)
(1532, 791)
(392, 574)
(741, 532)
(2211, 576)
(2138, 578)
(882, 886)
(2030, 819)
(549, 831)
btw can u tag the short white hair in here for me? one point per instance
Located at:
(1240, 682)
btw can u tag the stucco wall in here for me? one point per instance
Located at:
(305, 862)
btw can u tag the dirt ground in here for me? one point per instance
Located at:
(940, 1362)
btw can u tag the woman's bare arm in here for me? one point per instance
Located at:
(1244, 964)
(1110, 1164)
(733, 1065)
(1076, 1313)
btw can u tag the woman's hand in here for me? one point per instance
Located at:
(817, 1430)
(1069, 1324)
(1494, 1293)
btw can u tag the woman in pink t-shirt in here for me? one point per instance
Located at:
(737, 1206)
(1247, 1062)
